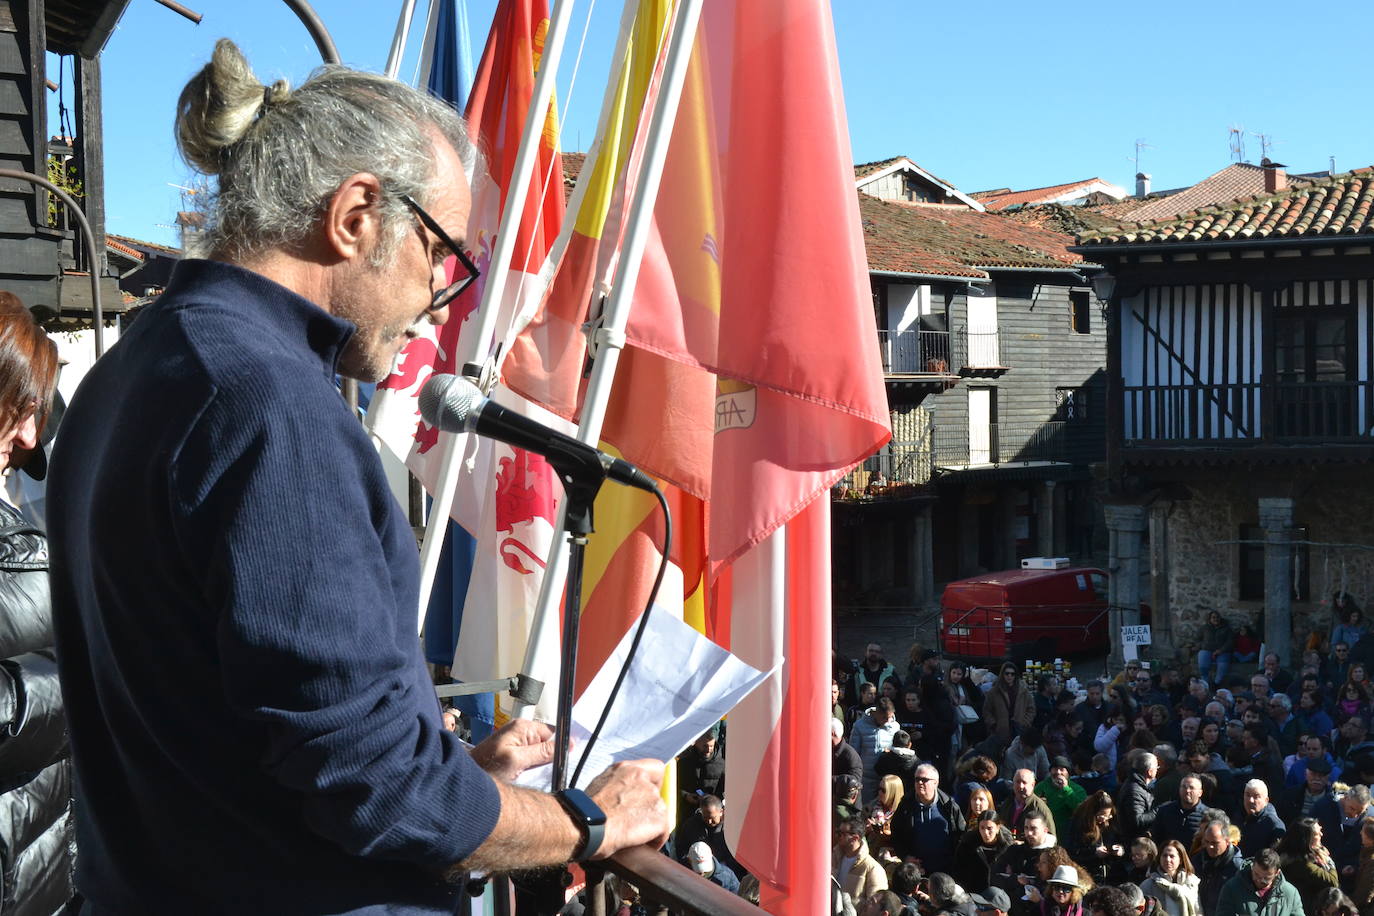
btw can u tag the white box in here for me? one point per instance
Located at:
(1045, 563)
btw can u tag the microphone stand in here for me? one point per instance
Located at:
(582, 480)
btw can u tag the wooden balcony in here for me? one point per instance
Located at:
(1238, 415)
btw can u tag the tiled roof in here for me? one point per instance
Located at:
(122, 248)
(955, 241)
(869, 168)
(572, 166)
(1239, 179)
(1342, 206)
(1001, 199)
(1069, 219)
(129, 241)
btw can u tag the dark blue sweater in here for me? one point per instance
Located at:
(235, 591)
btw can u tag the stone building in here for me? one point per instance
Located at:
(1240, 385)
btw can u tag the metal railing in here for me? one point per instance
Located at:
(1234, 413)
(1000, 443)
(915, 352)
(899, 464)
(978, 350)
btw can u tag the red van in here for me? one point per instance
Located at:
(1025, 613)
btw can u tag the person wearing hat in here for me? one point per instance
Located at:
(703, 862)
(991, 902)
(1063, 894)
(1061, 794)
(1304, 800)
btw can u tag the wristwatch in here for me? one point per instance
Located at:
(590, 819)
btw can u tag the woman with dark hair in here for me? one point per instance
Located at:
(963, 692)
(974, 772)
(1247, 645)
(1093, 841)
(1352, 700)
(1333, 902)
(35, 769)
(1008, 708)
(978, 848)
(1307, 865)
(1350, 626)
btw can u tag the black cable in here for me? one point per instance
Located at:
(639, 635)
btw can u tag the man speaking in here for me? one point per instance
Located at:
(252, 724)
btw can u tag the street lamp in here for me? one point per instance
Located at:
(1104, 288)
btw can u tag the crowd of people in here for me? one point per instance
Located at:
(1157, 792)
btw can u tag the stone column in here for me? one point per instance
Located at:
(1162, 619)
(1044, 522)
(1276, 517)
(924, 560)
(1126, 524)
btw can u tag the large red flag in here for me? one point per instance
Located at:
(751, 380)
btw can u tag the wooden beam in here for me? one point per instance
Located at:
(1190, 372)
(89, 157)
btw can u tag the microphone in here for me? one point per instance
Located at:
(455, 405)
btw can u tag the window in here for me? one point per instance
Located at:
(1079, 313)
(1251, 578)
(1071, 405)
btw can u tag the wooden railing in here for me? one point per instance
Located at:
(662, 881)
(1236, 414)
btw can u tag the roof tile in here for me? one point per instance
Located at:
(955, 241)
(1340, 205)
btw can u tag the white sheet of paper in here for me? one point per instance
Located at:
(679, 685)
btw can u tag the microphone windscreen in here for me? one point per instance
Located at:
(447, 402)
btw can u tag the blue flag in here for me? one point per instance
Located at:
(450, 78)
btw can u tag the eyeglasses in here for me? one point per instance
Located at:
(462, 281)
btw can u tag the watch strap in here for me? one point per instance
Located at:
(589, 818)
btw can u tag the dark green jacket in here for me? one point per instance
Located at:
(1238, 898)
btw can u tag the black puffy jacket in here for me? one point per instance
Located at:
(37, 838)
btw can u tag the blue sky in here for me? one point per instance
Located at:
(984, 93)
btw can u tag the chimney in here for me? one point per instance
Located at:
(1275, 178)
(1142, 185)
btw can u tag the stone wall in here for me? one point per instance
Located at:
(1205, 572)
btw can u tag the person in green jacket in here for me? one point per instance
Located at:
(1062, 795)
(1259, 889)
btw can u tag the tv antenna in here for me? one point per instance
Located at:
(1266, 144)
(1237, 142)
(1140, 144)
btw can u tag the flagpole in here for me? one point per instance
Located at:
(574, 205)
(541, 653)
(486, 315)
(398, 41)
